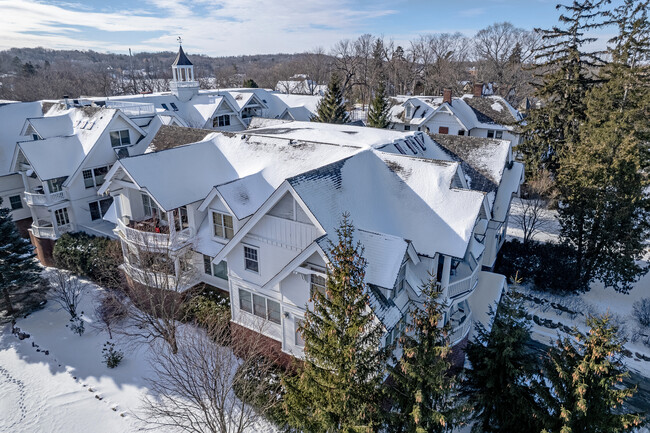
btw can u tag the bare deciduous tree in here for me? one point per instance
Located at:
(67, 291)
(194, 389)
(110, 310)
(531, 217)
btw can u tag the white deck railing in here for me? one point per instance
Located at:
(464, 285)
(132, 108)
(50, 232)
(461, 330)
(161, 280)
(35, 199)
(155, 241)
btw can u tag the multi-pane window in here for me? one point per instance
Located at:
(245, 302)
(219, 270)
(399, 286)
(222, 225)
(317, 285)
(220, 121)
(61, 216)
(95, 176)
(297, 335)
(251, 260)
(259, 306)
(395, 333)
(498, 134)
(99, 208)
(120, 138)
(15, 202)
(151, 209)
(56, 185)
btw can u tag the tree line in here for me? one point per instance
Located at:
(496, 54)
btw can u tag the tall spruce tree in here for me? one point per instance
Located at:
(585, 375)
(331, 108)
(378, 112)
(336, 389)
(17, 265)
(565, 79)
(602, 180)
(421, 390)
(498, 383)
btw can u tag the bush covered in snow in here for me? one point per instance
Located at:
(641, 311)
(203, 303)
(96, 258)
(547, 265)
(77, 325)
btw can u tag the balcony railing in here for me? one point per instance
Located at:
(153, 240)
(132, 108)
(161, 280)
(36, 199)
(464, 285)
(461, 329)
(43, 229)
(173, 85)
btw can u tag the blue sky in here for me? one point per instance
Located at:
(231, 27)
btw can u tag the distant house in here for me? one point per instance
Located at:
(258, 208)
(300, 85)
(476, 115)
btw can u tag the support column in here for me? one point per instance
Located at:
(446, 271)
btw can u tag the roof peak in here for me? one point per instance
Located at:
(181, 58)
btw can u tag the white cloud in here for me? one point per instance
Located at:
(227, 28)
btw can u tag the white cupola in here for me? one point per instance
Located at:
(183, 84)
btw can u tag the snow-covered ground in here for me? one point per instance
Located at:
(55, 381)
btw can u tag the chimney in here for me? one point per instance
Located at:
(478, 90)
(446, 96)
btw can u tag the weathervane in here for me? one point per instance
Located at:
(180, 40)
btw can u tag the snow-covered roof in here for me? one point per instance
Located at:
(488, 112)
(397, 195)
(384, 254)
(60, 125)
(12, 120)
(58, 156)
(181, 59)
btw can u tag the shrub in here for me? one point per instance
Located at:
(89, 256)
(112, 356)
(641, 311)
(77, 325)
(547, 265)
(203, 303)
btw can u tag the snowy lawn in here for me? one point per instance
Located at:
(56, 381)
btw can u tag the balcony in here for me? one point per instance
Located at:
(461, 323)
(41, 199)
(45, 229)
(464, 281)
(132, 108)
(173, 85)
(160, 280)
(155, 237)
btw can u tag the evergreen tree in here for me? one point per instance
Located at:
(585, 375)
(421, 390)
(250, 84)
(497, 384)
(331, 108)
(378, 112)
(336, 389)
(605, 212)
(17, 265)
(565, 81)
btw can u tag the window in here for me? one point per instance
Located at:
(410, 145)
(490, 133)
(407, 127)
(443, 130)
(222, 225)
(260, 306)
(95, 177)
(317, 284)
(399, 286)
(56, 185)
(220, 270)
(207, 264)
(35, 137)
(15, 202)
(220, 121)
(498, 134)
(122, 152)
(399, 149)
(120, 138)
(461, 132)
(61, 216)
(251, 262)
(245, 302)
(99, 208)
(174, 107)
(409, 111)
(297, 335)
(419, 139)
(165, 107)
